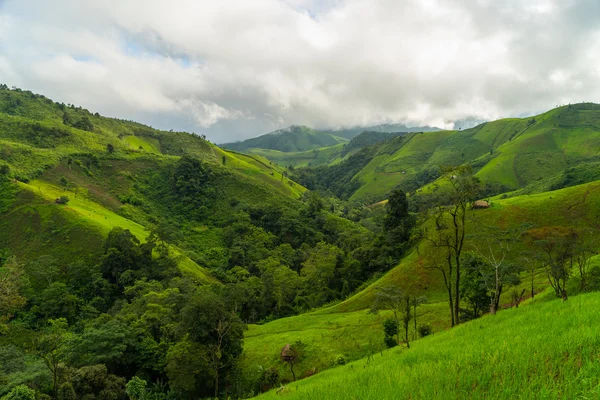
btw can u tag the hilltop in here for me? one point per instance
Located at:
(298, 139)
(292, 139)
(545, 152)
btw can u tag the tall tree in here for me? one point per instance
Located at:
(448, 231)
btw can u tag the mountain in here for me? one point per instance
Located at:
(155, 262)
(298, 138)
(543, 152)
(349, 133)
(291, 139)
(133, 243)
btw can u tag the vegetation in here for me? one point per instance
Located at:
(145, 264)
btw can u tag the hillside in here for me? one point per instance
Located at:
(544, 350)
(560, 147)
(347, 329)
(139, 250)
(292, 139)
(331, 155)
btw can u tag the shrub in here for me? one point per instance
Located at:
(62, 200)
(340, 360)
(424, 330)
(20, 392)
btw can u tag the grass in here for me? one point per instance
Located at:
(148, 144)
(547, 350)
(321, 156)
(94, 215)
(347, 329)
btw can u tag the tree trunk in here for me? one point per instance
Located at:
(217, 384)
(292, 369)
(451, 307)
(532, 291)
(493, 308)
(457, 297)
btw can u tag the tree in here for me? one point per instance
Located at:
(51, 348)
(399, 303)
(20, 392)
(66, 118)
(207, 321)
(12, 284)
(94, 382)
(390, 332)
(557, 247)
(398, 222)
(293, 354)
(472, 286)
(449, 230)
(84, 124)
(136, 389)
(319, 270)
(498, 270)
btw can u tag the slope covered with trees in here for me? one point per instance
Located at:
(129, 251)
(138, 263)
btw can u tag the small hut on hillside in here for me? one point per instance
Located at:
(481, 204)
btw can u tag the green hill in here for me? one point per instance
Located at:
(508, 154)
(132, 253)
(109, 227)
(348, 330)
(292, 139)
(542, 351)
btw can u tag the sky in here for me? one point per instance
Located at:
(234, 69)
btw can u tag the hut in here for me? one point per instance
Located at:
(481, 204)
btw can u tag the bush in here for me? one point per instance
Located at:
(20, 392)
(424, 330)
(390, 341)
(340, 360)
(269, 378)
(62, 200)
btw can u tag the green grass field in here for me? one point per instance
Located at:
(547, 350)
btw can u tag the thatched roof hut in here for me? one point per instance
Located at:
(287, 354)
(481, 204)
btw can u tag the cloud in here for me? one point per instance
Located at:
(237, 68)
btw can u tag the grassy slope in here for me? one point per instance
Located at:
(292, 139)
(348, 329)
(321, 156)
(543, 351)
(36, 145)
(511, 152)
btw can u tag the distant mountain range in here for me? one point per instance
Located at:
(297, 138)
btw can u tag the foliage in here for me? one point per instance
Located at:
(21, 392)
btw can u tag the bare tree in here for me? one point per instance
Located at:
(449, 230)
(496, 248)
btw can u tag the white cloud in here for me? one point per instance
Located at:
(236, 68)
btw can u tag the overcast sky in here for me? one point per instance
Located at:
(238, 68)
